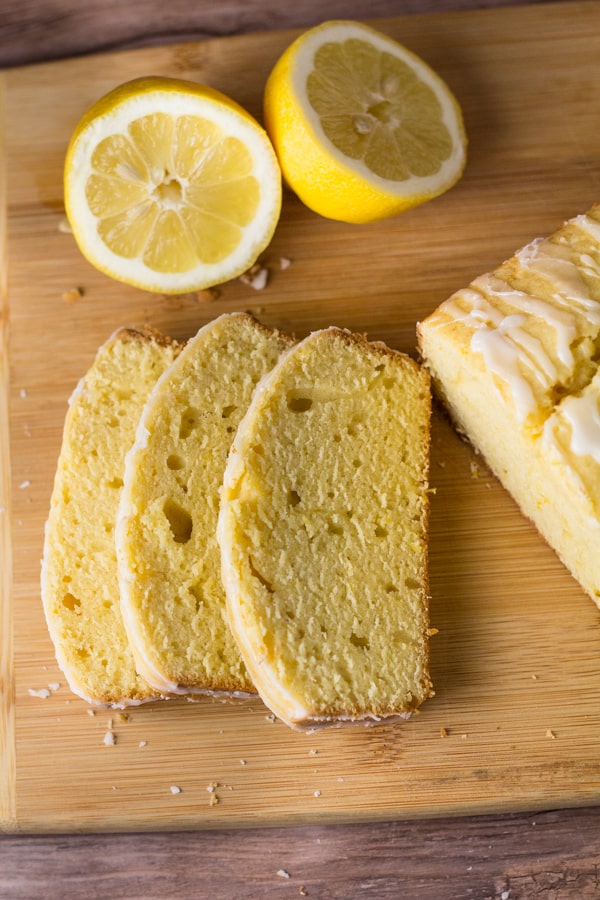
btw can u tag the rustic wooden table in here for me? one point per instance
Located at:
(551, 854)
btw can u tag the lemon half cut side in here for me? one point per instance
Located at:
(363, 128)
(171, 186)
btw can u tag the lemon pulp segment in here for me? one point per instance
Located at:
(373, 107)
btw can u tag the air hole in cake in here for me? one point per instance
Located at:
(337, 438)
(116, 483)
(389, 383)
(332, 528)
(358, 641)
(293, 498)
(298, 404)
(82, 653)
(104, 663)
(380, 532)
(189, 421)
(71, 602)
(412, 584)
(196, 592)
(258, 449)
(112, 421)
(228, 411)
(180, 521)
(357, 463)
(256, 574)
(390, 588)
(380, 367)
(175, 462)
(107, 604)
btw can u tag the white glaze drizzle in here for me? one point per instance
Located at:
(587, 224)
(542, 257)
(583, 416)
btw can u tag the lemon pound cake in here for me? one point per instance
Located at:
(169, 563)
(323, 534)
(515, 358)
(80, 588)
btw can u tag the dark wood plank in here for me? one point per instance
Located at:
(41, 30)
(516, 857)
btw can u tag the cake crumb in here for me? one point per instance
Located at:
(313, 751)
(550, 734)
(270, 718)
(54, 685)
(474, 470)
(283, 874)
(43, 693)
(143, 744)
(109, 739)
(72, 295)
(91, 712)
(175, 789)
(317, 793)
(302, 891)
(214, 800)
(25, 484)
(122, 717)
(464, 737)
(284, 263)
(242, 762)
(64, 226)
(208, 295)
(23, 393)
(443, 732)
(256, 276)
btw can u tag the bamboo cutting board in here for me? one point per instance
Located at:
(515, 723)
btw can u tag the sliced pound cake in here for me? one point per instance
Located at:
(515, 358)
(322, 531)
(169, 563)
(80, 588)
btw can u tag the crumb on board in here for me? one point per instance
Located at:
(143, 744)
(270, 717)
(91, 712)
(208, 295)
(284, 263)
(256, 277)
(443, 732)
(302, 891)
(175, 789)
(43, 693)
(110, 739)
(214, 800)
(317, 793)
(64, 226)
(550, 734)
(72, 294)
(283, 873)
(313, 751)
(54, 685)
(25, 484)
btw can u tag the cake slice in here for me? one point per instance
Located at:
(80, 590)
(322, 531)
(515, 359)
(169, 563)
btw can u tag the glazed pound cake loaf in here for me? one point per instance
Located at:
(515, 358)
(169, 564)
(322, 531)
(80, 590)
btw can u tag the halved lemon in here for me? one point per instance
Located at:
(362, 127)
(171, 186)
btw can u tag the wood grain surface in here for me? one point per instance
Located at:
(518, 641)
